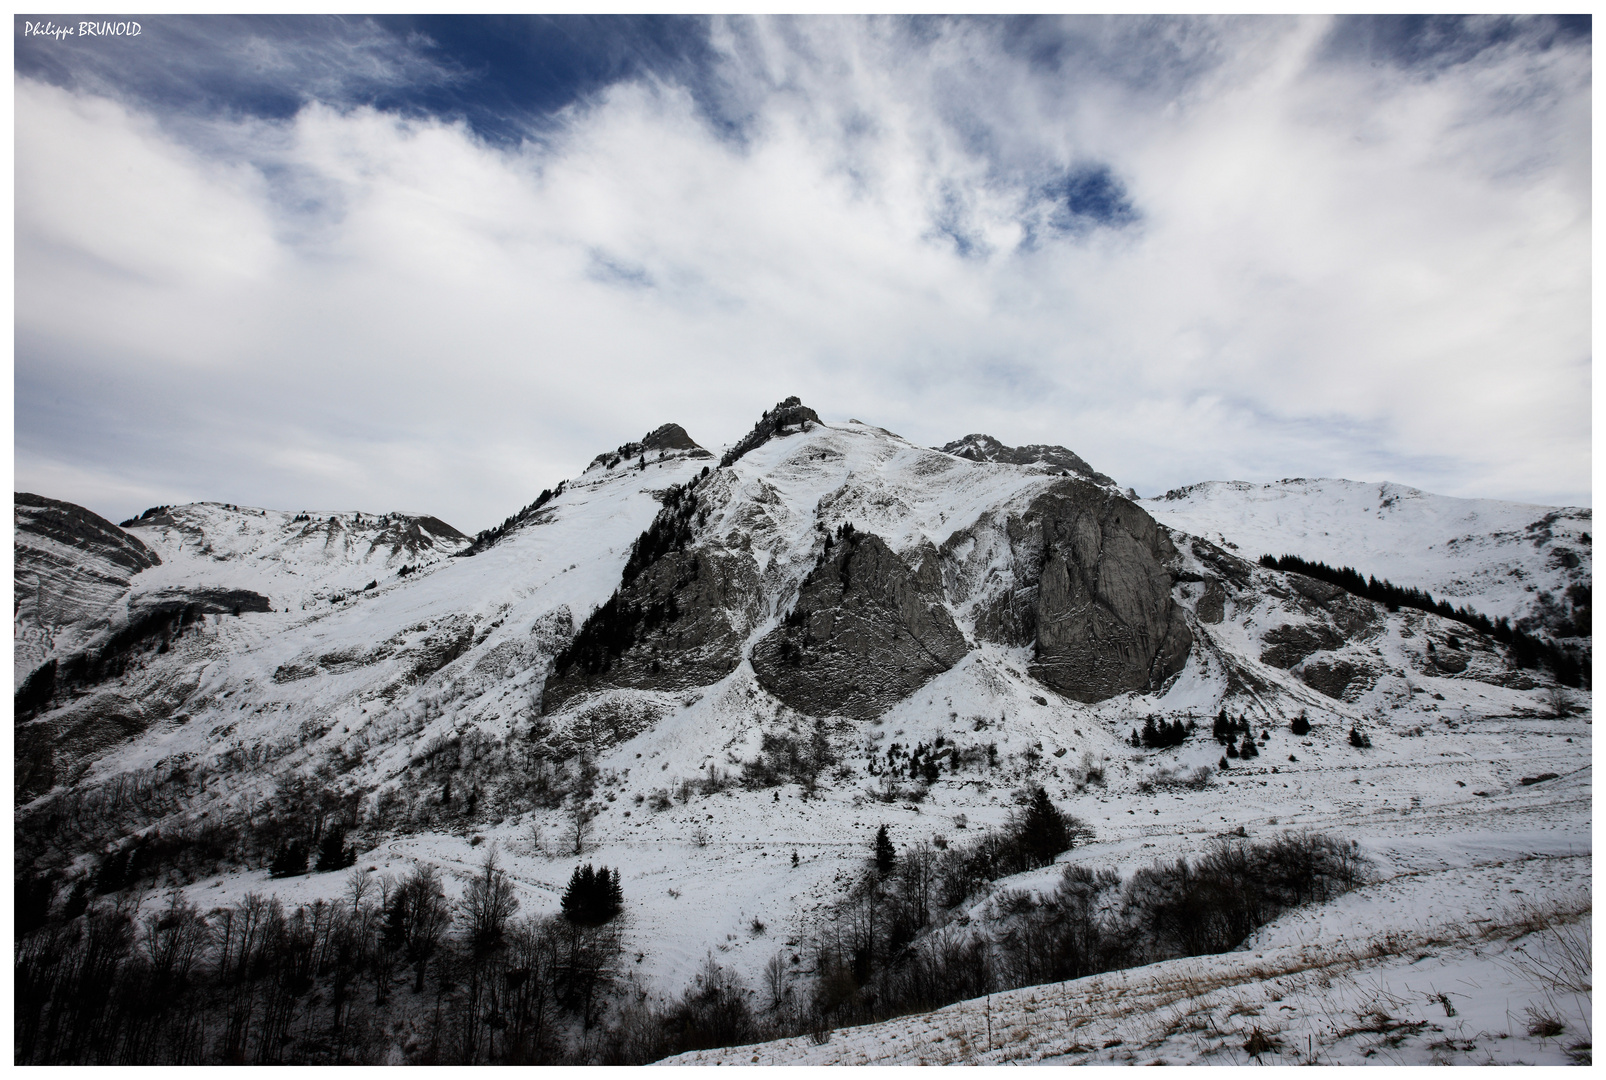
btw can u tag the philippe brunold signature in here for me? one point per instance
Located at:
(83, 29)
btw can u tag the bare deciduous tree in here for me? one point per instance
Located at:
(417, 917)
(488, 903)
(358, 885)
(775, 980)
(580, 815)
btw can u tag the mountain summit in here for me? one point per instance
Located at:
(1053, 458)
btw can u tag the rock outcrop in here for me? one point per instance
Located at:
(654, 446)
(1081, 576)
(1106, 623)
(1336, 676)
(678, 619)
(866, 632)
(789, 416)
(1051, 458)
(1288, 645)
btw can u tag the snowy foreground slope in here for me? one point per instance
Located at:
(1032, 622)
(1453, 959)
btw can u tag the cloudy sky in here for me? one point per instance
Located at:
(438, 264)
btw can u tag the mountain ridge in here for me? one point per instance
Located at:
(784, 632)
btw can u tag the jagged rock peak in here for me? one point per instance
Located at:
(788, 416)
(670, 439)
(1052, 458)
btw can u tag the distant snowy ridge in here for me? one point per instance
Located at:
(1056, 459)
(1503, 559)
(292, 558)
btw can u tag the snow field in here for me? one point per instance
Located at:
(1372, 977)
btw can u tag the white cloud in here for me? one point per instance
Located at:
(1335, 270)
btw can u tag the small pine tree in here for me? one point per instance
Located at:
(289, 860)
(885, 857)
(1222, 729)
(1358, 740)
(1232, 749)
(1248, 749)
(592, 897)
(1044, 833)
(1300, 726)
(611, 889)
(333, 853)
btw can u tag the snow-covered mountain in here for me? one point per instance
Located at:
(72, 570)
(698, 668)
(297, 559)
(1516, 560)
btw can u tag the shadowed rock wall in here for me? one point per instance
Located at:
(867, 631)
(1106, 623)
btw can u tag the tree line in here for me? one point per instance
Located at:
(325, 983)
(1526, 650)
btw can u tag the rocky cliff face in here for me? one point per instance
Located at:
(867, 631)
(678, 619)
(1106, 623)
(71, 570)
(870, 624)
(1079, 574)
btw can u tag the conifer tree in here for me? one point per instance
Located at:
(885, 857)
(593, 896)
(1043, 833)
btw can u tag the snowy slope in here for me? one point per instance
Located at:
(296, 560)
(1437, 966)
(71, 570)
(1501, 558)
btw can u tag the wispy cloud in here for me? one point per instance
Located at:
(1188, 249)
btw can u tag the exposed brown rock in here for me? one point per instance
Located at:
(1212, 606)
(1335, 677)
